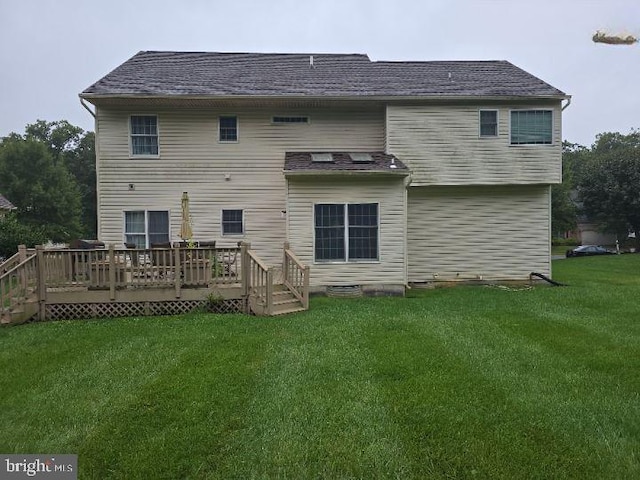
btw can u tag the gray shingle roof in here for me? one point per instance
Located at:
(334, 75)
(301, 162)
(6, 204)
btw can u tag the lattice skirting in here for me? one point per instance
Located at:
(67, 311)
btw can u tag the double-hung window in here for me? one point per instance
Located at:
(146, 227)
(228, 129)
(488, 123)
(144, 134)
(232, 223)
(531, 127)
(346, 232)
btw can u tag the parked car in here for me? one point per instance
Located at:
(588, 250)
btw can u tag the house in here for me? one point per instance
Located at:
(378, 174)
(5, 206)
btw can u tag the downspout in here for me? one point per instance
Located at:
(84, 104)
(407, 184)
(567, 104)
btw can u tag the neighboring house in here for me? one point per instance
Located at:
(378, 173)
(5, 206)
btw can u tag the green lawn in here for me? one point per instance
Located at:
(469, 382)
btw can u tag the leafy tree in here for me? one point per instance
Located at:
(44, 193)
(609, 185)
(59, 136)
(14, 233)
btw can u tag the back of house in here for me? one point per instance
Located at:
(378, 174)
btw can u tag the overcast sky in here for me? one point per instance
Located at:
(51, 50)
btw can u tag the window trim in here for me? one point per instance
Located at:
(146, 223)
(553, 120)
(222, 233)
(143, 155)
(347, 260)
(306, 122)
(221, 116)
(497, 134)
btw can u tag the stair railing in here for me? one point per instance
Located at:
(295, 276)
(257, 282)
(18, 284)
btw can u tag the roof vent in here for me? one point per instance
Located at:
(321, 157)
(361, 157)
(311, 61)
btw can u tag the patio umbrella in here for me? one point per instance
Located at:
(186, 232)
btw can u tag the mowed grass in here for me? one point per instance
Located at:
(468, 382)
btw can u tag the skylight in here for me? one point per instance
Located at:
(361, 157)
(321, 157)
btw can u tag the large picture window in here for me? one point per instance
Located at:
(346, 232)
(144, 135)
(531, 127)
(146, 227)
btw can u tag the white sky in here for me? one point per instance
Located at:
(51, 50)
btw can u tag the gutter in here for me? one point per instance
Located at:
(324, 173)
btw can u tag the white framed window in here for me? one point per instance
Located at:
(146, 227)
(488, 123)
(346, 232)
(232, 222)
(531, 127)
(143, 130)
(228, 129)
(289, 119)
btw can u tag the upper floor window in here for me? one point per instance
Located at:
(232, 222)
(488, 123)
(346, 232)
(228, 129)
(531, 127)
(146, 227)
(144, 134)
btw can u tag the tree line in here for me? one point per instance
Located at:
(602, 183)
(49, 175)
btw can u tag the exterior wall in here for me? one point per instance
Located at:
(442, 146)
(389, 193)
(244, 175)
(463, 233)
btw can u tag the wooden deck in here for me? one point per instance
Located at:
(73, 283)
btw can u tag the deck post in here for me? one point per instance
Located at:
(22, 253)
(112, 271)
(285, 263)
(305, 287)
(176, 278)
(269, 290)
(245, 273)
(42, 286)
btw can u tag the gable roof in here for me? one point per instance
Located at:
(202, 74)
(6, 204)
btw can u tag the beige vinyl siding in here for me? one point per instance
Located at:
(244, 175)
(462, 233)
(442, 146)
(388, 192)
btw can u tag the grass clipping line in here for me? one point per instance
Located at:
(601, 37)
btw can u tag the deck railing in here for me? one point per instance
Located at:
(17, 284)
(156, 267)
(295, 276)
(259, 282)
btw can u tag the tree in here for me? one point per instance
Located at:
(609, 185)
(564, 212)
(59, 136)
(45, 194)
(13, 233)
